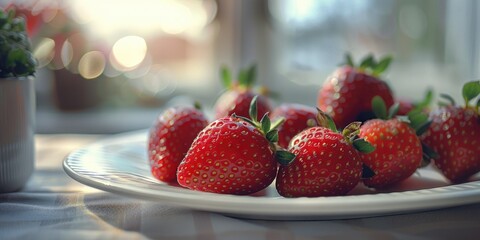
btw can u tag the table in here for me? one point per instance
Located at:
(53, 206)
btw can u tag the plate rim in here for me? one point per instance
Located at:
(350, 206)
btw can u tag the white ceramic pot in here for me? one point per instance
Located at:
(17, 128)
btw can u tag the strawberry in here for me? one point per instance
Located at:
(398, 150)
(239, 94)
(347, 93)
(170, 138)
(327, 162)
(296, 117)
(454, 136)
(406, 106)
(233, 155)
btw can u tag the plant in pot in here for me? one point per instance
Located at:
(17, 103)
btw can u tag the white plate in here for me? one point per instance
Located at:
(119, 165)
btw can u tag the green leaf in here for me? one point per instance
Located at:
(226, 77)
(284, 157)
(427, 100)
(277, 123)
(417, 119)
(272, 136)
(250, 76)
(197, 105)
(363, 146)
(423, 128)
(242, 78)
(253, 109)
(379, 108)
(368, 62)
(349, 60)
(265, 123)
(470, 91)
(393, 110)
(447, 97)
(367, 172)
(382, 65)
(351, 130)
(324, 120)
(244, 119)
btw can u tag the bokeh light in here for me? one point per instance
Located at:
(91, 65)
(128, 52)
(44, 51)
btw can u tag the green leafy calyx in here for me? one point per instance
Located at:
(269, 130)
(324, 120)
(370, 64)
(363, 146)
(447, 100)
(419, 122)
(245, 78)
(379, 108)
(470, 91)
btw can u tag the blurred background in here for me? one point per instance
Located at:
(111, 66)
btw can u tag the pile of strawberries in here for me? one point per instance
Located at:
(358, 133)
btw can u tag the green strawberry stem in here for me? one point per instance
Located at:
(226, 77)
(245, 78)
(369, 64)
(325, 120)
(350, 132)
(379, 108)
(426, 101)
(416, 119)
(197, 105)
(448, 98)
(470, 91)
(269, 130)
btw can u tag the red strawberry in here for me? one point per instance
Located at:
(347, 94)
(296, 118)
(239, 94)
(170, 138)
(232, 155)
(406, 106)
(454, 136)
(398, 150)
(326, 163)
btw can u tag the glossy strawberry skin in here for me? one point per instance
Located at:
(347, 95)
(397, 154)
(170, 138)
(325, 165)
(455, 136)
(238, 101)
(229, 156)
(296, 118)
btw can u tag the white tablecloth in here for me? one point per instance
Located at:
(53, 206)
